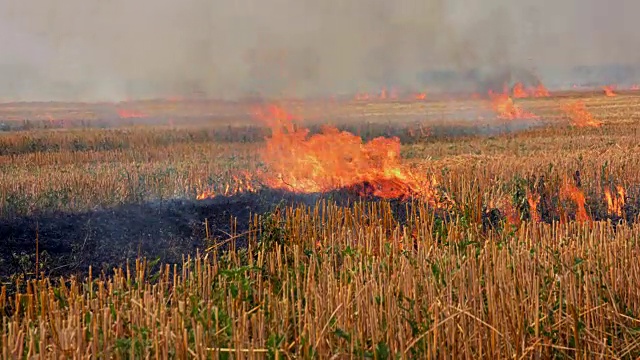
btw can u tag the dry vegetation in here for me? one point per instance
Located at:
(358, 281)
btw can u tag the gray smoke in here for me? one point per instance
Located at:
(92, 50)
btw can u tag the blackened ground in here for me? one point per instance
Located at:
(68, 243)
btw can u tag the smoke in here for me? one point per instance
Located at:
(92, 50)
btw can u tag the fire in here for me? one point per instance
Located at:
(608, 91)
(533, 201)
(420, 96)
(615, 203)
(541, 91)
(519, 92)
(240, 184)
(130, 114)
(573, 193)
(334, 160)
(507, 109)
(579, 115)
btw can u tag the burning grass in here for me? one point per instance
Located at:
(528, 258)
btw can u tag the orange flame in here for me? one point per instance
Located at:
(240, 184)
(533, 201)
(420, 96)
(571, 192)
(507, 109)
(519, 92)
(541, 91)
(579, 115)
(608, 91)
(615, 203)
(336, 159)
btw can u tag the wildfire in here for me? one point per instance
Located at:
(420, 96)
(579, 115)
(608, 91)
(615, 202)
(573, 193)
(333, 160)
(507, 109)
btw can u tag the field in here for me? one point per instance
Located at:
(158, 229)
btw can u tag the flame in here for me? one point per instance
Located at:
(333, 160)
(615, 203)
(533, 201)
(540, 91)
(420, 96)
(507, 109)
(242, 183)
(571, 192)
(579, 115)
(519, 92)
(130, 114)
(608, 91)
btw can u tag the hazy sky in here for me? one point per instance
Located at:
(119, 49)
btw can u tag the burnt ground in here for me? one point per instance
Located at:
(69, 243)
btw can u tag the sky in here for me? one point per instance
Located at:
(97, 50)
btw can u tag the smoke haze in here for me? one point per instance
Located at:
(94, 50)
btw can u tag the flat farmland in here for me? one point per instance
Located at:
(501, 227)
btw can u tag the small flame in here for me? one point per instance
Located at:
(541, 91)
(579, 115)
(608, 91)
(420, 96)
(533, 201)
(241, 184)
(507, 109)
(615, 203)
(519, 92)
(570, 192)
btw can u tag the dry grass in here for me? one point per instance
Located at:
(346, 282)
(353, 282)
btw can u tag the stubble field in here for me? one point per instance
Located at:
(526, 246)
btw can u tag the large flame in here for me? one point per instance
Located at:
(580, 116)
(334, 159)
